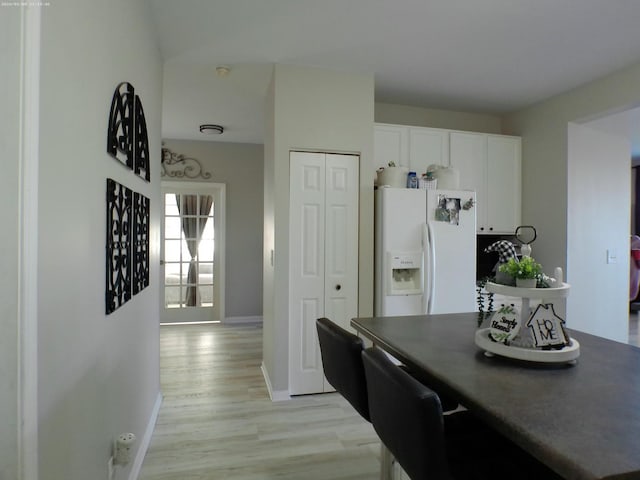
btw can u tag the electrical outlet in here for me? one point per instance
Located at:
(111, 469)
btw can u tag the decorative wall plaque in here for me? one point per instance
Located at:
(118, 255)
(141, 160)
(141, 210)
(176, 165)
(120, 133)
(127, 138)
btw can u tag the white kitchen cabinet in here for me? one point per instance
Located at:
(412, 147)
(468, 155)
(490, 165)
(487, 163)
(504, 181)
(391, 144)
(323, 258)
(427, 146)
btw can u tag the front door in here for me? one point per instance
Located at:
(192, 252)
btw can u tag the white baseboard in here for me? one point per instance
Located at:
(251, 319)
(146, 440)
(278, 395)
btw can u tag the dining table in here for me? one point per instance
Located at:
(580, 418)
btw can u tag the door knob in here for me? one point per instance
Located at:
(338, 287)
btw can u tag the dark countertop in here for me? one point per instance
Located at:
(582, 420)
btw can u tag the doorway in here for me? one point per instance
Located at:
(192, 252)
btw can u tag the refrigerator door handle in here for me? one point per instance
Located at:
(428, 265)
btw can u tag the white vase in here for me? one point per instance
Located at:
(526, 282)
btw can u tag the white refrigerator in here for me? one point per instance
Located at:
(425, 248)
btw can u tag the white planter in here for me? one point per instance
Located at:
(393, 177)
(526, 282)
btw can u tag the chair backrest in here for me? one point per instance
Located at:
(342, 363)
(407, 417)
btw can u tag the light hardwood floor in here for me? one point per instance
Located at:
(218, 422)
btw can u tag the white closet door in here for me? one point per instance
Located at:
(306, 270)
(323, 269)
(341, 239)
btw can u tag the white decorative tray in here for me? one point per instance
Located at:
(563, 355)
(541, 293)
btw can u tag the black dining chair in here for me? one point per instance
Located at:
(408, 418)
(341, 353)
(341, 359)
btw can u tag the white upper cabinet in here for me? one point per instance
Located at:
(468, 155)
(487, 163)
(426, 147)
(391, 144)
(504, 182)
(490, 165)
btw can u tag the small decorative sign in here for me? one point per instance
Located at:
(505, 324)
(547, 328)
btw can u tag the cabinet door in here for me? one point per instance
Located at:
(426, 147)
(323, 259)
(503, 183)
(390, 145)
(468, 155)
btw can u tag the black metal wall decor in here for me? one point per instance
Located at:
(141, 160)
(127, 138)
(177, 165)
(120, 131)
(141, 210)
(118, 255)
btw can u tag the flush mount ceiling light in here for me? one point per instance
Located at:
(211, 129)
(223, 70)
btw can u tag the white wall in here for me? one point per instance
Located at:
(598, 222)
(322, 110)
(98, 374)
(10, 41)
(544, 130)
(240, 167)
(436, 118)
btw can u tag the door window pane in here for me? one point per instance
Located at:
(172, 228)
(205, 251)
(172, 297)
(206, 274)
(170, 205)
(206, 295)
(172, 274)
(172, 249)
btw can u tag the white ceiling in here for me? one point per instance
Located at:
(487, 56)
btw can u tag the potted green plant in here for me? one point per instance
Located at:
(526, 271)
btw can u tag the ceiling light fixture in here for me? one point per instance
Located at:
(211, 129)
(223, 70)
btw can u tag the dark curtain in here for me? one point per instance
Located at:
(188, 205)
